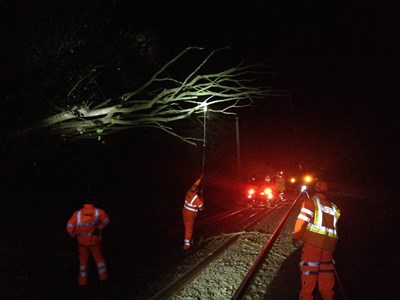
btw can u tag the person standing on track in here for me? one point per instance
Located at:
(193, 204)
(86, 225)
(280, 185)
(316, 228)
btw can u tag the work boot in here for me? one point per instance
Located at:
(186, 244)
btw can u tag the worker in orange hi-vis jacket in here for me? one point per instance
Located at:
(193, 204)
(86, 224)
(316, 228)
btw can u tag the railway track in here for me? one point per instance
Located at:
(250, 275)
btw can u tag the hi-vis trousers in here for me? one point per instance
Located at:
(316, 266)
(188, 220)
(95, 250)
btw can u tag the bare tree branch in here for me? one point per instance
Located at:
(161, 101)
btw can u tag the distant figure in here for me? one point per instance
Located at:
(267, 179)
(193, 204)
(86, 225)
(316, 228)
(280, 184)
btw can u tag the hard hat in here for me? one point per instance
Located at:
(321, 186)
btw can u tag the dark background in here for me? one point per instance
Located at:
(338, 61)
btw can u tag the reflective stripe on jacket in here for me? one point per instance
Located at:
(316, 223)
(192, 204)
(84, 222)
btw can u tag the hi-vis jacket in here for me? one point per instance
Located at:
(193, 202)
(316, 223)
(86, 224)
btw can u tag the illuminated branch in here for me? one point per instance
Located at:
(161, 101)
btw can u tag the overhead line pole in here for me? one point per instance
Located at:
(238, 147)
(204, 138)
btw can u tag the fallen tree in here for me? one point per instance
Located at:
(160, 102)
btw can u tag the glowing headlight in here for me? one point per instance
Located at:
(308, 179)
(268, 191)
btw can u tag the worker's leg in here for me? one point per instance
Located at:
(326, 277)
(100, 261)
(83, 252)
(188, 221)
(309, 265)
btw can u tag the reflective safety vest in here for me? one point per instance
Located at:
(318, 226)
(193, 204)
(89, 225)
(84, 222)
(316, 223)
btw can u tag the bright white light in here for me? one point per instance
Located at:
(303, 188)
(205, 107)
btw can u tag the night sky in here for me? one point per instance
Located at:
(338, 63)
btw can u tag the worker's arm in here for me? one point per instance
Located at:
(71, 225)
(304, 217)
(104, 220)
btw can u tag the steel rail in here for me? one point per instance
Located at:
(178, 284)
(244, 287)
(207, 221)
(242, 290)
